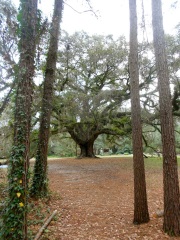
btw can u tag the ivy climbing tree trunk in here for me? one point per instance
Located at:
(15, 216)
(39, 186)
(171, 223)
(141, 214)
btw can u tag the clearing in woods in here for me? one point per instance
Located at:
(94, 200)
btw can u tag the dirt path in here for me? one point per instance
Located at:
(94, 198)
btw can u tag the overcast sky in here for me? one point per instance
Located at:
(113, 16)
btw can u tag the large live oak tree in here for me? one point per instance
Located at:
(86, 117)
(171, 223)
(94, 76)
(76, 60)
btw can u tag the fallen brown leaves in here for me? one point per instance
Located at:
(94, 199)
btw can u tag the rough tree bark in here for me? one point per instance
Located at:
(87, 149)
(171, 223)
(39, 186)
(141, 214)
(16, 210)
(85, 142)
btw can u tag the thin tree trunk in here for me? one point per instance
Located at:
(40, 181)
(171, 223)
(16, 210)
(141, 214)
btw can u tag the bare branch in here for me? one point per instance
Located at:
(90, 10)
(6, 100)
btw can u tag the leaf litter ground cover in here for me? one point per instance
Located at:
(94, 200)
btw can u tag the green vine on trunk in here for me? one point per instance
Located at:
(16, 206)
(15, 212)
(39, 186)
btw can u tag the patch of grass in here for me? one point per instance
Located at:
(156, 162)
(53, 156)
(153, 162)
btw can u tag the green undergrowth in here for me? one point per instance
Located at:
(38, 210)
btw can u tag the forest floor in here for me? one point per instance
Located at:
(94, 199)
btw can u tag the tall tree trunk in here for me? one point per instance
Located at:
(15, 218)
(141, 214)
(171, 223)
(40, 181)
